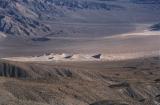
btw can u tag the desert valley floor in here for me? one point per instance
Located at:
(127, 74)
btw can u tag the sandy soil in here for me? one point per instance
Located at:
(83, 57)
(112, 45)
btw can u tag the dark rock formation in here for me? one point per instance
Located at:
(8, 70)
(155, 27)
(158, 98)
(146, 1)
(106, 102)
(119, 85)
(98, 56)
(17, 20)
(42, 39)
(22, 17)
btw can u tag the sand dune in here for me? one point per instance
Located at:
(84, 57)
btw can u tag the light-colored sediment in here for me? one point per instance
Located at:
(84, 57)
(136, 33)
(90, 56)
(2, 35)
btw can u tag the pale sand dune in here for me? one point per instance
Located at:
(84, 57)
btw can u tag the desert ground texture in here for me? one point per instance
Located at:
(127, 82)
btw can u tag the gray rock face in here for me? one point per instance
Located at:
(155, 27)
(146, 1)
(21, 17)
(18, 20)
(28, 17)
(98, 56)
(106, 102)
(8, 70)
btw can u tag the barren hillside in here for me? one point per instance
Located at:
(132, 82)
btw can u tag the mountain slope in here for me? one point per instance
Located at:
(35, 17)
(18, 20)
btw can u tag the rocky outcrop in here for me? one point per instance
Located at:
(107, 102)
(155, 27)
(17, 20)
(146, 1)
(24, 17)
(98, 56)
(9, 70)
(26, 71)
(31, 18)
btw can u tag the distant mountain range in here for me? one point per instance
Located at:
(146, 1)
(28, 18)
(16, 19)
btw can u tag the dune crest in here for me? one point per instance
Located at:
(84, 57)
